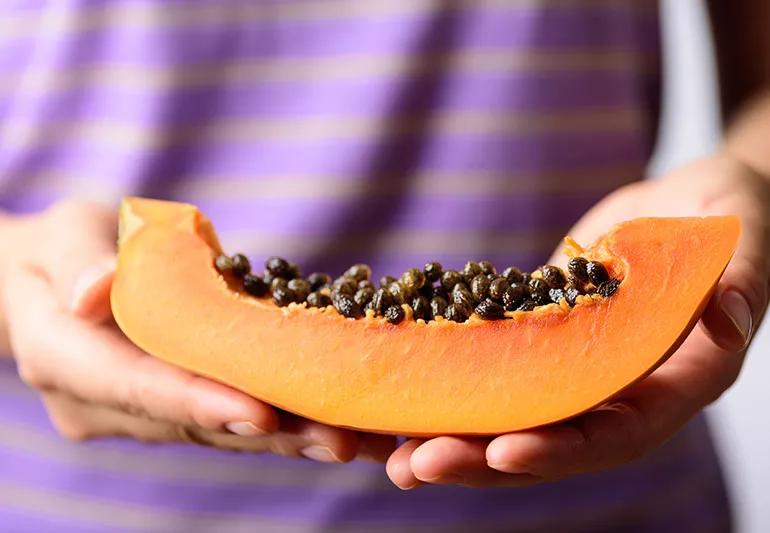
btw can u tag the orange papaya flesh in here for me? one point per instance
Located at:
(417, 378)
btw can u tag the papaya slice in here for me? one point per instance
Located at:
(417, 378)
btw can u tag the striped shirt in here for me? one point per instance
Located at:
(331, 131)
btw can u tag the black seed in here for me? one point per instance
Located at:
(345, 285)
(319, 280)
(450, 278)
(283, 296)
(577, 267)
(438, 306)
(574, 282)
(223, 263)
(426, 291)
(597, 273)
(438, 290)
(413, 278)
(553, 276)
(512, 275)
(397, 293)
(498, 288)
(526, 277)
(470, 271)
(608, 287)
(541, 296)
(359, 272)
(363, 296)
(366, 284)
(536, 284)
(386, 280)
(556, 295)
(255, 285)
(278, 267)
(489, 310)
(294, 271)
(487, 268)
(241, 265)
(456, 313)
(278, 282)
(433, 271)
(527, 305)
(394, 314)
(461, 295)
(521, 291)
(515, 296)
(347, 307)
(381, 301)
(480, 287)
(318, 299)
(421, 308)
(300, 287)
(571, 294)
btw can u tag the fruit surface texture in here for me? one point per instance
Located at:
(479, 377)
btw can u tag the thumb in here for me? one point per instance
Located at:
(740, 300)
(79, 256)
(90, 295)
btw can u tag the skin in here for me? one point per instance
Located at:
(96, 383)
(735, 180)
(62, 268)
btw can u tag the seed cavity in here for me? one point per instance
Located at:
(430, 293)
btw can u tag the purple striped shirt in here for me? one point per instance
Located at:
(331, 131)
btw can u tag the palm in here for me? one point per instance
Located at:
(702, 368)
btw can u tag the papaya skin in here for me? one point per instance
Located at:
(417, 378)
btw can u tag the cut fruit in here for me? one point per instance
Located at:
(416, 378)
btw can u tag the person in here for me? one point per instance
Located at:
(338, 132)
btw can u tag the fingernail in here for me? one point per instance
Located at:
(245, 429)
(410, 487)
(734, 305)
(321, 454)
(87, 279)
(451, 478)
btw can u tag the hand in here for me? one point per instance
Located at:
(96, 383)
(648, 413)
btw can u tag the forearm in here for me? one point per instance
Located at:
(742, 43)
(747, 135)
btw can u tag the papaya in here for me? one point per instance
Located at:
(417, 377)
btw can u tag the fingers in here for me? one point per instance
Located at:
(448, 461)
(740, 300)
(97, 364)
(597, 440)
(78, 256)
(639, 421)
(398, 468)
(461, 461)
(78, 420)
(374, 447)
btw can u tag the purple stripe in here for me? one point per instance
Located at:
(154, 173)
(18, 520)
(605, 28)
(447, 213)
(426, 505)
(550, 92)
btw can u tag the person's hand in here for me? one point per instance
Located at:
(648, 413)
(96, 383)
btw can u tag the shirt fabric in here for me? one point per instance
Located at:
(390, 132)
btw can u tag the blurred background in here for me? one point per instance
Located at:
(690, 128)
